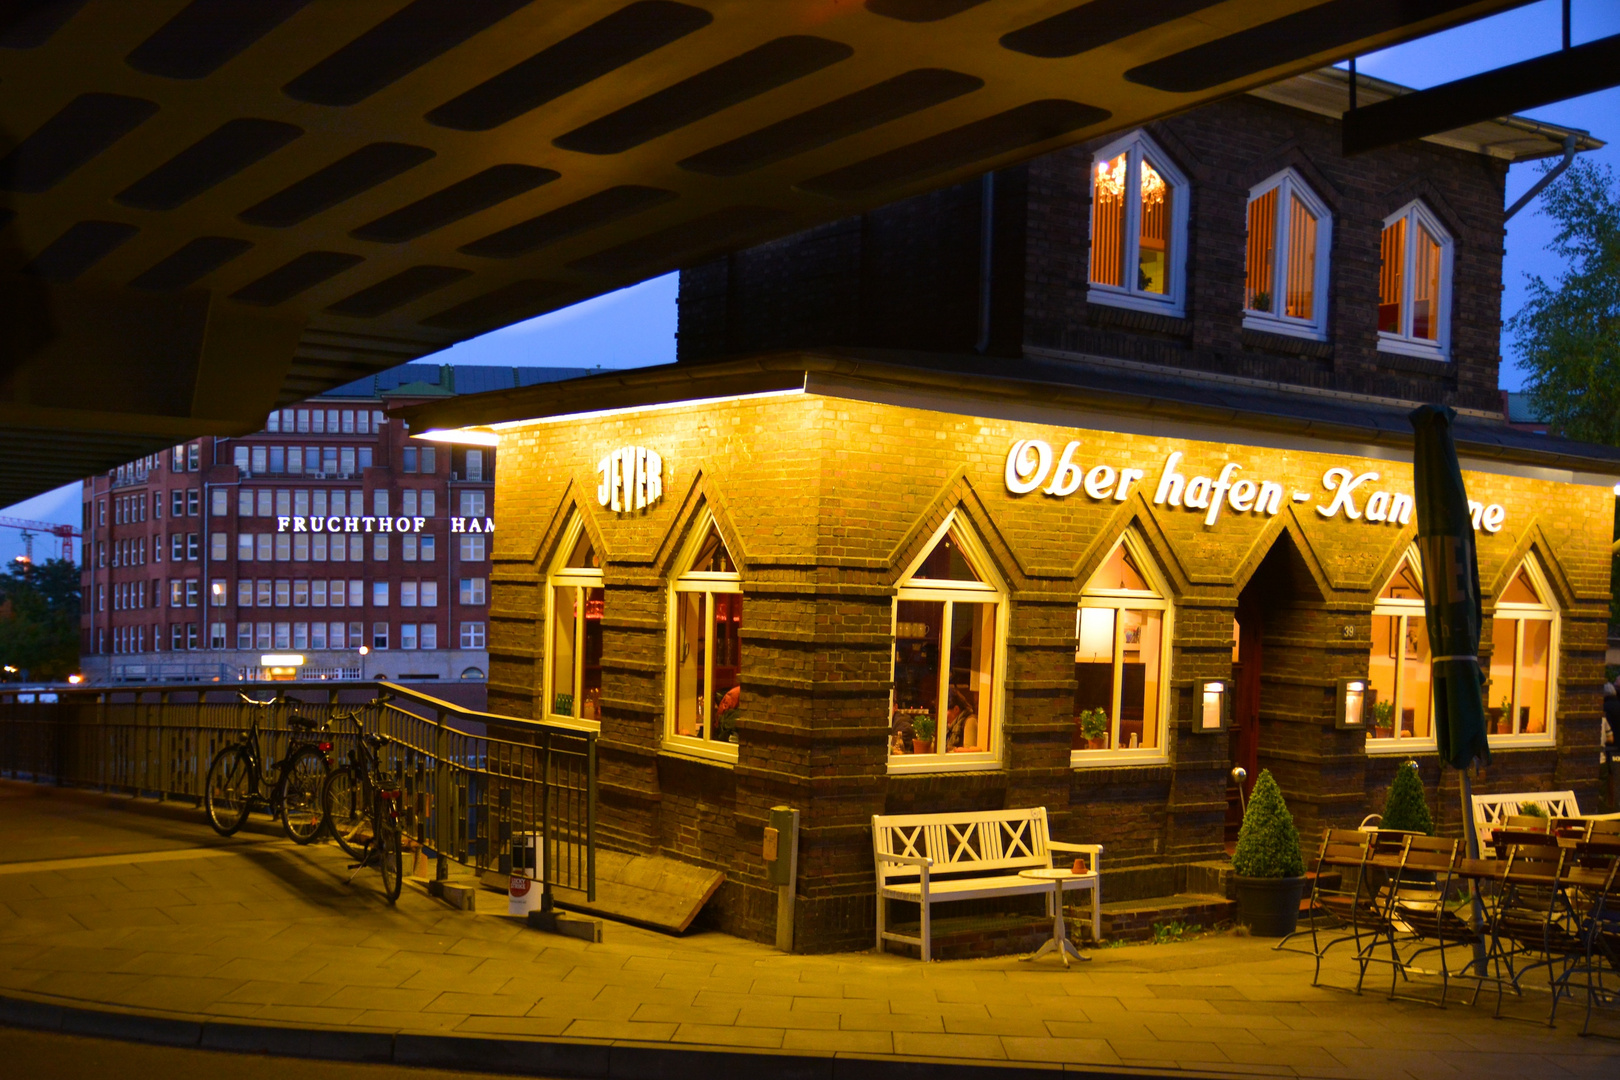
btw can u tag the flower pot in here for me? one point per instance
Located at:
(1099, 743)
(922, 746)
(1269, 907)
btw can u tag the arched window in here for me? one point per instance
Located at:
(705, 651)
(1402, 701)
(470, 674)
(1286, 273)
(949, 634)
(1524, 651)
(1414, 284)
(1138, 227)
(573, 686)
(1121, 653)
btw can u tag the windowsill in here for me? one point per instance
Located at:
(1270, 324)
(1122, 298)
(943, 763)
(1405, 346)
(1390, 747)
(723, 754)
(1108, 759)
(1541, 740)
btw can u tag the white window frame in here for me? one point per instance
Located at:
(1131, 599)
(709, 583)
(1288, 184)
(581, 579)
(1403, 343)
(1174, 301)
(1546, 611)
(989, 590)
(1398, 743)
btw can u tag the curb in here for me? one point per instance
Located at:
(580, 1058)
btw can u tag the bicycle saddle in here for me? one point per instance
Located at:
(302, 723)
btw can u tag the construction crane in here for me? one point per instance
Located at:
(28, 528)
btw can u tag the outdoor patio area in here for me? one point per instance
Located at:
(135, 907)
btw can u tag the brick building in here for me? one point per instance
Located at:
(329, 530)
(1075, 488)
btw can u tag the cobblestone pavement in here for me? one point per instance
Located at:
(108, 902)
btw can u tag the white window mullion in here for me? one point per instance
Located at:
(1279, 259)
(944, 705)
(579, 651)
(1408, 265)
(1130, 246)
(1119, 677)
(704, 709)
(1518, 669)
(1400, 678)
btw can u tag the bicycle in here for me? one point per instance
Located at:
(239, 782)
(361, 802)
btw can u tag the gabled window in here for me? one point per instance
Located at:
(1401, 698)
(705, 647)
(1286, 272)
(949, 642)
(573, 683)
(1520, 703)
(1414, 284)
(1138, 227)
(1121, 660)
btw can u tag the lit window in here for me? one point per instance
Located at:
(1401, 699)
(949, 635)
(1286, 272)
(1138, 227)
(705, 662)
(1414, 284)
(1121, 653)
(573, 667)
(1524, 642)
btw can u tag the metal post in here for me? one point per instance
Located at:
(443, 812)
(1471, 842)
(590, 816)
(544, 861)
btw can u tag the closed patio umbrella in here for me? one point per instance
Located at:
(1452, 609)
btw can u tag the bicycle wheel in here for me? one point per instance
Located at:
(348, 810)
(302, 778)
(225, 793)
(392, 859)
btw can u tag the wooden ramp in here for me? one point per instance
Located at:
(649, 890)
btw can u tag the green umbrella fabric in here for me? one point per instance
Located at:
(1451, 597)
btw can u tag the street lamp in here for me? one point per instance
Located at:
(364, 652)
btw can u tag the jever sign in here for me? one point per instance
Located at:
(1032, 463)
(630, 478)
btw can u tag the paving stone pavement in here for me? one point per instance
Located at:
(137, 906)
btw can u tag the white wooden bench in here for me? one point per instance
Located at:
(929, 859)
(1491, 811)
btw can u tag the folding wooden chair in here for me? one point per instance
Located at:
(1425, 907)
(1535, 922)
(1594, 878)
(1357, 906)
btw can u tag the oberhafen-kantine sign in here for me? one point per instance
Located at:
(1032, 464)
(379, 524)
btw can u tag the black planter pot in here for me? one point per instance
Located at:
(1269, 907)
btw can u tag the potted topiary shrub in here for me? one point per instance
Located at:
(1405, 809)
(1268, 867)
(922, 734)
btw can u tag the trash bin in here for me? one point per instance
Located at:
(523, 886)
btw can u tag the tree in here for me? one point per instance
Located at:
(1569, 333)
(1268, 843)
(1405, 808)
(39, 619)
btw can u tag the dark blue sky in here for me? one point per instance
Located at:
(636, 326)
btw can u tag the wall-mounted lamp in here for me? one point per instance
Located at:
(1352, 704)
(1214, 706)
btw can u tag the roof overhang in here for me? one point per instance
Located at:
(1073, 391)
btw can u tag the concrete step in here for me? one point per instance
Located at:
(1133, 920)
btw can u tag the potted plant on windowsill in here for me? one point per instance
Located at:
(1268, 867)
(1094, 728)
(922, 735)
(1383, 719)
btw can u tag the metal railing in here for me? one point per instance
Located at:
(476, 785)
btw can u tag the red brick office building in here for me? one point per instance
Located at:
(329, 530)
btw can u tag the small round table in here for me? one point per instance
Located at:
(1060, 942)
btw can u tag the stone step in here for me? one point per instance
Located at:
(1133, 920)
